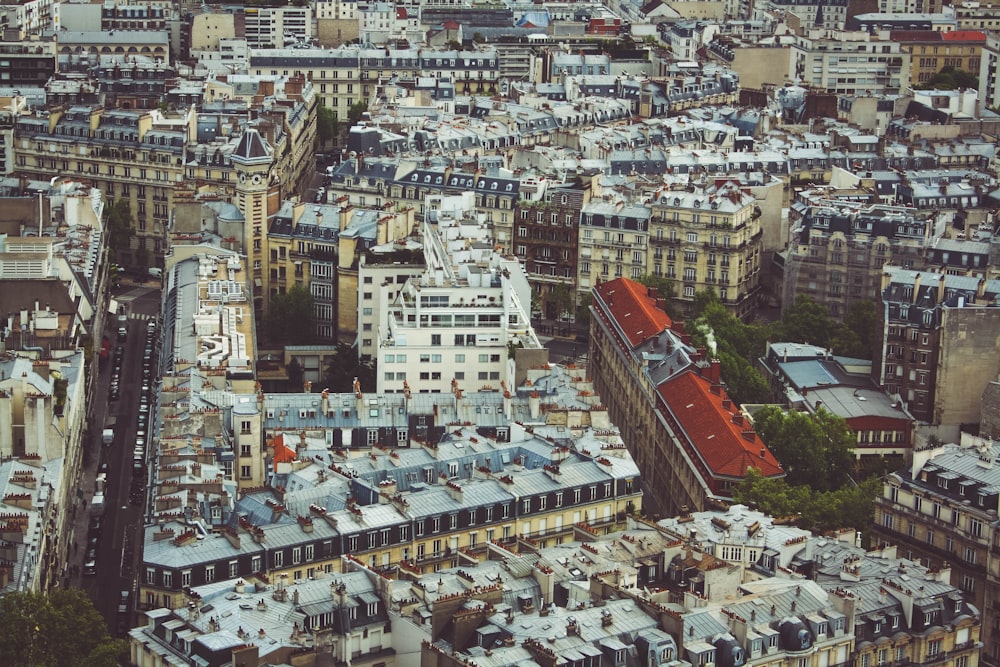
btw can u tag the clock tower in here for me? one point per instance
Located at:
(252, 162)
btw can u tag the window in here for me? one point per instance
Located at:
(185, 578)
(970, 555)
(976, 527)
(933, 647)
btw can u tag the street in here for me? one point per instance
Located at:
(119, 539)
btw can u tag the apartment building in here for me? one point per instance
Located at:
(931, 50)
(808, 378)
(146, 156)
(277, 27)
(708, 239)
(350, 74)
(851, 63)
(382, 274)
(838, 250)
(613, 239)
(30, 17)
(208, 410)
(399, 480)
(942, 511)
(938, 352)
(688, 439)
(318, 246)
(343, 619)
(466, 321)
(44, 401)
(811, 13)
(547, 239)
(27, 62)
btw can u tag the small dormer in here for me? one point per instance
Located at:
(819, 626)
(699, 654)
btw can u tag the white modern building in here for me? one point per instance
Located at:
(460, 323)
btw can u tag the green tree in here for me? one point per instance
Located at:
(327, 127)
(562, 298)
(62, 629)
(355, 111)
(296, 375)
(951, 78)
(583, 310)
(862, 321)
(343, 366)
(735, 344)
(814, 449)
(118, 223)
(806, 321)
(851, 506)
(478, 37)
(289, 319)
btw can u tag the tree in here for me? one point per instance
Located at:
(951, 78)
(60, 629)
(355, 111)
(296, 375)
(561, 297)
(344, 366)
(327, 127)
(583, 310)
(862, 321)
(734, 344)
(290, 317)
(806, 321)
(118, 222)
(851, 506)
(814, 449)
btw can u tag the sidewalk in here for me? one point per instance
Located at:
(72, 575)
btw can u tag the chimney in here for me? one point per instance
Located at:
(358, 400)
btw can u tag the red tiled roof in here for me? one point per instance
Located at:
(711, 430)
(282, 453)
(633, 309)
(964, 36)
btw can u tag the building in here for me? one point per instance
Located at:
(318, 246)
(882, 66)
(613, 238)
(29, 62)
(708, 239)
(349, 75)
(208, 410)
(382, 273)
(839, 248)
(547, 238)
(938, 353)
(43, 411)
(277, 27)
(688, 439)
(932, 50)
(145, 157)
(393, 481)
(466, 321)
(942, 511)
(809, 378)
(343, 618)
